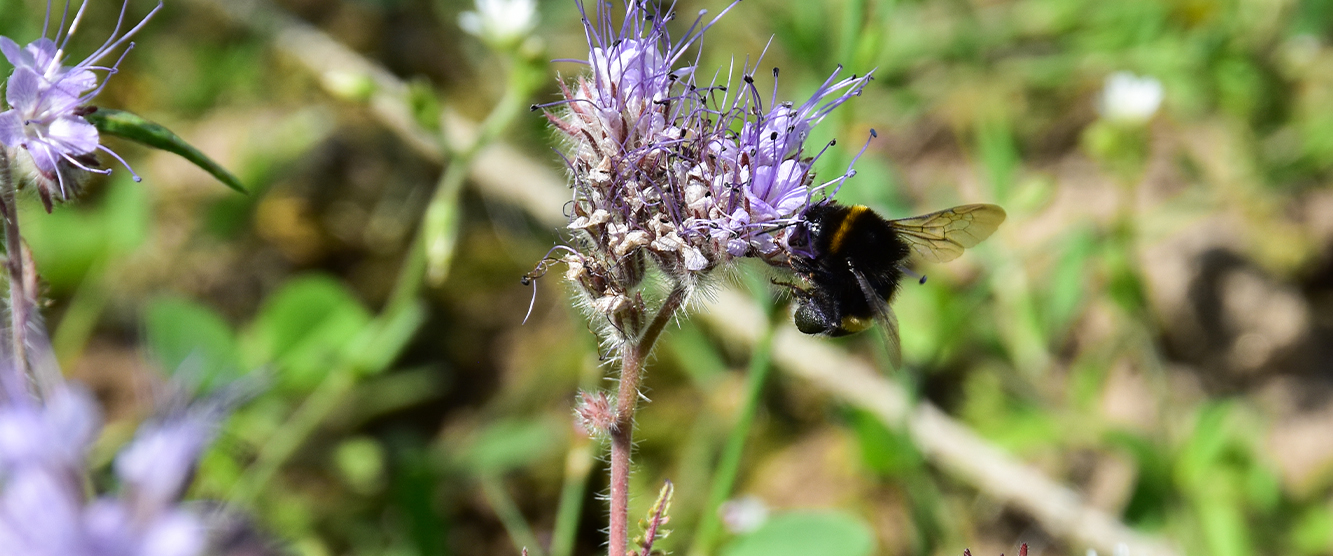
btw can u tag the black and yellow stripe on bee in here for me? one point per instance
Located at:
(845, 227)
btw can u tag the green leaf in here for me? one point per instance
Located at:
(509, 445)
(303, 326)
(130, 126)
(191, 338)
(807, 533)
(69, 242)
(884, 451)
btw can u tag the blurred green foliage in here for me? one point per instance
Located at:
(444, 427)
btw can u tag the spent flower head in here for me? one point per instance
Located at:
(47, 101)
(672, 174)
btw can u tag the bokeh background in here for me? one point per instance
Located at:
(1153, 325)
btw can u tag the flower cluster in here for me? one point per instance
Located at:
(672, 173)
(44, 509)
(48, 101)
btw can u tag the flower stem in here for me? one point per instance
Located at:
(18, 298)
(622, 432)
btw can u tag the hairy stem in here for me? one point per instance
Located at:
(622, 432)
(18, 298)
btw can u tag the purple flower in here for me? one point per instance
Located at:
(41, 515)
(674, 173)
(43, 508)
(631, 70)
(48, 101)
(761, 178)
(56, 434)
(158, 465)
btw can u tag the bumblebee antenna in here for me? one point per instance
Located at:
(920, 278)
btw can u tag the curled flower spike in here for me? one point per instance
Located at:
(595, 413)
(670, 175)
(48, 101)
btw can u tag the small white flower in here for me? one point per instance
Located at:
(743, 515)
(1130, 98)
(500, 21)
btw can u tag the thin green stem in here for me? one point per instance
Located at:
(292, 434)
(439, 230)
(724, 479)
(578, 465)
(510, 517)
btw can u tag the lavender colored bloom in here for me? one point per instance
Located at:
(43, 508)
(631, 71)
(672, 174)
(761, 180)
(158, 465)
(57, 434)
(48, 101)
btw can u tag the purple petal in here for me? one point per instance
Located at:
(75, 82)
(12, 539)
(737, 248)
(11, 129)
(44, 509)
(789, 193)
(24, 89)
(74, 135)
(177, 533)
(22, 437)
(158, 464)
(11, 51)
(54, 103)
(44, 156)
(109, 527)
(42, 55)
(74, 420)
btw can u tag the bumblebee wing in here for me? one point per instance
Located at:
(887, 319)
(888, 326)
(940, 237)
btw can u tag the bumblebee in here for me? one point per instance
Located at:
(852, 261)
